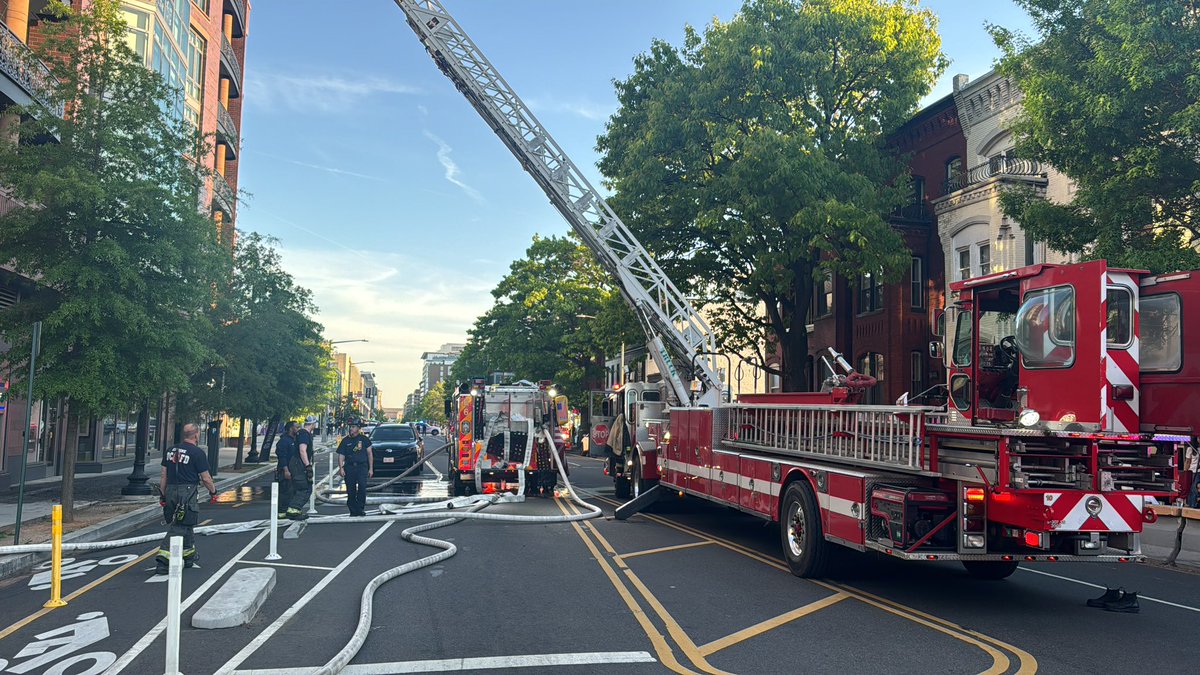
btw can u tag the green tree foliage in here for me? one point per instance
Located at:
(556, 316)
(270, 357)
(433, 406)
(1111, 90)
(751, 160)
(108, 225)
(345, 408)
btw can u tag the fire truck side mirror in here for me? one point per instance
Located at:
(937, 350)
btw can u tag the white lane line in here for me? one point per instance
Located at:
(480, 663)
(262, 637)
(275, 564)
(1085, 583)
(151, 636)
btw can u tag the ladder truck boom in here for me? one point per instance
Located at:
(664, 312)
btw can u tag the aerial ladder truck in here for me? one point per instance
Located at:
(1071, 394)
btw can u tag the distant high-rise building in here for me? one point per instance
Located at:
(437, 365)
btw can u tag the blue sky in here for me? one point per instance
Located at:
(391, 199)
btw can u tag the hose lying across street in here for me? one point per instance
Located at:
(388, 512)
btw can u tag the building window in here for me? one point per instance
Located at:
(985, 259)
(954, 175)
(197, 47)
(870, 293)
(964, 263)
(916, 279)
(872, 364)
(916, 376)
(824, 300)
(138, 37)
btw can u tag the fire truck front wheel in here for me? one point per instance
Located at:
(990, 570)
(804, 546)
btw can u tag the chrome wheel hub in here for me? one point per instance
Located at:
(795, 530)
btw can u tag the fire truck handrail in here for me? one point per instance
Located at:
(889, 436)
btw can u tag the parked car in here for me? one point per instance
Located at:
(396, 447)
(368, 427)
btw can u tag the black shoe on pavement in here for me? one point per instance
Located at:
(162, 571)
(1127, 604)
(1110, 595)
(191, 565)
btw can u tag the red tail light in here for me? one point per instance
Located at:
(1033, 539)
(975, 495)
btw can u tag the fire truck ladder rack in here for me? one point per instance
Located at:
(890, 437)
(664, 312)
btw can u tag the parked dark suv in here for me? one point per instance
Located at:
(395, 447)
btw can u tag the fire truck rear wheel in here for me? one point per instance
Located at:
(804, 546)
(990, 570)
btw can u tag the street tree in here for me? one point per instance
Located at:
(1110, 90)
(106, 221)
(269, 356)
(751, 161)
(433, 407)
(556, 315)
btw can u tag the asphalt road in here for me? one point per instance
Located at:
(688, 587)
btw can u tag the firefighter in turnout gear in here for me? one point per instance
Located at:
(184, 468)
(299, 471)
(356, 466)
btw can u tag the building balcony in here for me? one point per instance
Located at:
(223, 198)
(27, 79)
(997, 166)
(227, 132)
(238, 9)
(912, 214)
(232, 67)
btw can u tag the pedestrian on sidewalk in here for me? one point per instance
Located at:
(355, 465)
(285, 447)
(184, 468)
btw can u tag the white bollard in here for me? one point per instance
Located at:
(274, 554)
(174, 597)
(312, 489)
(332, 472)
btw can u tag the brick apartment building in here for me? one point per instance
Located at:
(199, 46)
(884, 329)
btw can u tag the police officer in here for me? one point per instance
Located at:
(184, 468)
(356, 465)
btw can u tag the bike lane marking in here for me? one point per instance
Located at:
(1088, 583)
(153, 634)
(46, 610)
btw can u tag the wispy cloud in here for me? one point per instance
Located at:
(452, 170)
(320, 167)
(323, 94)
(588, 110)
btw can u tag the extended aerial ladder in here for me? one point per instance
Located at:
(670, 321)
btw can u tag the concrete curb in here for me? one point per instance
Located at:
(238, 599)
(114, 527)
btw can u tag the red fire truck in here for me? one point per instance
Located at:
(1070, 396)
(497, 438)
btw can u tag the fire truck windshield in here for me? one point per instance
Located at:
(1045, 331)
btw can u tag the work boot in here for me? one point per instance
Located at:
(191, 565)
(1127, 604)
(283, 515)
(1110, 595)
(296, 514)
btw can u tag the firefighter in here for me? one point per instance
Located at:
(355, 465)
(285, 447)
(305, 445)
(618, 443)
(184, 468)
(297, 471)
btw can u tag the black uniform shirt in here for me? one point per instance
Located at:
(284, 449)
(305, 438)
(355, 448)
(185, 462)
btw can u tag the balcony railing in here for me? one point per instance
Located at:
(918, 213)
(230, 61)
(22, 67)
(238, 8)
(997, 166)
(226, 129)
(223, 195)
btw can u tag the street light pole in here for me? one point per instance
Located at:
(33, 352)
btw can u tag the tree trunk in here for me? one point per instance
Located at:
(70, 454)
(241, 445)
(794, 346)
(270, 436)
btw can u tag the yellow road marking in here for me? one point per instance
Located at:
(205, 522)
(656, 639)
(665, 549)
(238, 505)
(43, 612)
(771, 624)
(1001, 663)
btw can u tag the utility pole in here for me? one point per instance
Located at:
(35, 346)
